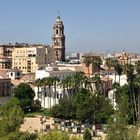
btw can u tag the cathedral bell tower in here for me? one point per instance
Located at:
(58, 39)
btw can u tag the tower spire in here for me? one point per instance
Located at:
(58, 17)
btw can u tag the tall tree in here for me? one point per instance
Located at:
(129, 71)
(50, 84)
(97, 61)
(137, 84)
(115, 64)
(25, 94)
(12, 117)
(98, 83)
(119, 70)
(67, 85)
(109, 64)
(38, 83)
(117, 128)
(55, 81)
(137, 66)
(48, 81)
(44, 91)
(87, 61)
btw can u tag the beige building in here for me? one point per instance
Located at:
(123, 58)
(6, 56)
(89, 68)
(50, 55)
(5, 87)
(29, 58)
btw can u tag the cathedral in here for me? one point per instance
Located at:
(37, 55)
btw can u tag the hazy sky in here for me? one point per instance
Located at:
(90, 25)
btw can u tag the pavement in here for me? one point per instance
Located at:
(32, 124)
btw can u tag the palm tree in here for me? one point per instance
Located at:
(137, 83)
(115, 64)
(137, 66)
(44, 84)
(129, 71)
(119, 70)
(87, 83)
(98, 83)
(87, 61)
(77, 80)
(55, 83)
(109, 64)
(62, 84)
(37, 83)
(97, 61)
(49, 81)
(67, 84)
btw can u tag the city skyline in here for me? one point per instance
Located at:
(96, 26)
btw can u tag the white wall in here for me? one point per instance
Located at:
(123, 79)
(48, 102)
(45, 101)
(41, 74)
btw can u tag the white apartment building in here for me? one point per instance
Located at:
(49, 101)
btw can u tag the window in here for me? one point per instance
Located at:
(18, 74)
(45, 94)
(56, 31)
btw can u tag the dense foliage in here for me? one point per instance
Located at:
(87, 135)
(25, 94)
(85, 107)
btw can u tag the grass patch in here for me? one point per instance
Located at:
(42, 112)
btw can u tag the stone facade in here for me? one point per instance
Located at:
(58, 39)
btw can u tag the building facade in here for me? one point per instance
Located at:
(58, 39)
(5, 87)
(47, 100)
(6, 56)
(28, 58)
(88, 67)
(123, 58)
(50, 55)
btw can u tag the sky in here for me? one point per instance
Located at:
(90, 25)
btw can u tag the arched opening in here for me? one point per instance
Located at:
(56, 31)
